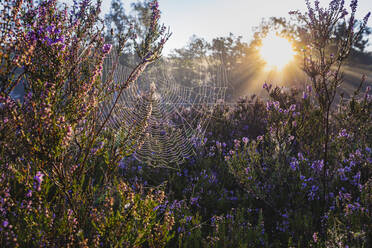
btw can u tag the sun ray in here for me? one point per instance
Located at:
(276, 51)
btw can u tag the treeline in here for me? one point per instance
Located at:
(230, 59)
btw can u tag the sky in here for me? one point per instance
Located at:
(215, 18)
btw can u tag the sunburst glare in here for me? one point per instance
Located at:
(276, 51)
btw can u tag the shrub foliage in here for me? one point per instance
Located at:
(292, 170)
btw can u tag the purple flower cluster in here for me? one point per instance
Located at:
(38, 180)
(294, 164)
(317, 166)
(343, 133)
(106, 48)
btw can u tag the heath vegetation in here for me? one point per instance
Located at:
(287, 168)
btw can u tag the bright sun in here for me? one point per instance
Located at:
(276, 51)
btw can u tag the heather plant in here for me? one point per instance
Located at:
(324, 67)
(283, 168)
(278, 178)
(59, 184)
(196, 193)
(234, 229)
(244, 118)
(300, 169)
(275, 199)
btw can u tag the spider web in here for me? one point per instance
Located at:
(168, 120)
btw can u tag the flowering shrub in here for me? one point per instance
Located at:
(297, 169)
(292, 171)
(59, 184)
(282, 170)
(262, 178)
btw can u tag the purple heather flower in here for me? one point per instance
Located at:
(344, 13)
(194, 200)
(294, 164)
(5, 223)
(49, 41)
(50, 29)
(29, 193)
(353, 5)
(356, 178)
(268, 105)
(343, 133)
(304, 95)
(312, 192)
(218, 145)
(276, 104)
(39, 177)
(156, 208)
(358, 153)
(317, 165)
(315, 237)
(38, 180)
(106, 48)
(365, 19)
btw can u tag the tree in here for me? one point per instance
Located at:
(294, 30)
(117, 20)
(224, 58)
(189, 63)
